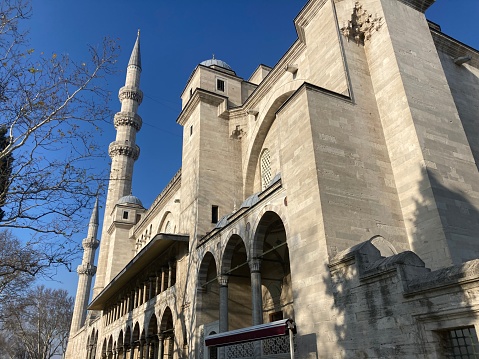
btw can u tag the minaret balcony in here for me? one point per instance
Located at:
(117, 148)
(128, 119)
(90, 243)
(130, 93)
(87, 269)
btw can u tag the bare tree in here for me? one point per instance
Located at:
(37, 324)
(51, 107)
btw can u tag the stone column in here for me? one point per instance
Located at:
(147, 349)
(255, 267)
(157, 284)
(142, 345)
(132, 350)
(170, 267)
(162, 280)
(223, 282)
(160, 346)
(223, 322)
(145, 287)
(151, 292)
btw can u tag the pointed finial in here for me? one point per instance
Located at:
(135, 58)
(213, 56)
(94, 214)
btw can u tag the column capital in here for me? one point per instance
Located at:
(255, 265)
(223, 280)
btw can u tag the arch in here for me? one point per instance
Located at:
(166, 320)
(152, 326)
(204, 266)
(167, 218)
(168, 333)
(233, 243)
(259, 137)
(120, 344)
(127, 341)
(265, 220)
(136, 333)
(270, 246)
(109, 350)
(235, 265)
(103, 349)
(385, 247)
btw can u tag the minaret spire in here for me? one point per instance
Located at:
(86, 270)
(135, 58)
(123, 152)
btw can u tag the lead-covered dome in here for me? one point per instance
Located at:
(216, 62)
(130, 199)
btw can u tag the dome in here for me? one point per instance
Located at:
(216, 62)
(130, 199)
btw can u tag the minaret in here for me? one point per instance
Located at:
(86, 270)
(123, 152)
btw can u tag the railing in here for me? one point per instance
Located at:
(277, 347)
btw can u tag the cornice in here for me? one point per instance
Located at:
(453, 47)
(201, 95)
(171, 188)
(419, 5)
(278, 70)
(304, 17)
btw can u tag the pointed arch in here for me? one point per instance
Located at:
(271, 247)
(168, 333)
(207, 304)
(236, 268)
(259, 136)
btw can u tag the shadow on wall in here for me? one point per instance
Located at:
(393, 306)
(444, 222)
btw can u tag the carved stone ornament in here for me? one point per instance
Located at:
(90, 243)
(361, 26)
(130, 93)
(128, 119)
(87, 269)
(116, 149)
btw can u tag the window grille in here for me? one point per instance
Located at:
(460, 343)
(220, 85)
(265, 169)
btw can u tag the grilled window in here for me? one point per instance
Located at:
(460, 343)
(265, 169)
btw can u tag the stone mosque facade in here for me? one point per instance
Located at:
(327, 207)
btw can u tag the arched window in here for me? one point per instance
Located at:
(265, 168)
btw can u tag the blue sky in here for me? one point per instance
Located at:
(175, 37)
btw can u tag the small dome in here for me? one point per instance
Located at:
(130, 199)
(216, 62)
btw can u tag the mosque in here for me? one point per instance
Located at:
(327, 207)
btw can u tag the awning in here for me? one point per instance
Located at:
(158, 244)
(256, 332)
